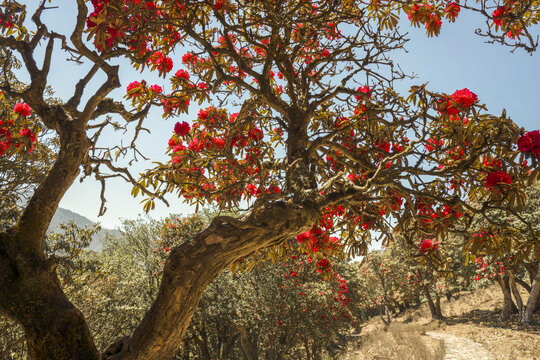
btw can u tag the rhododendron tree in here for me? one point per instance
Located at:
(507, 250)
(298, 124)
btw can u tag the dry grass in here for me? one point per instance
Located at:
(472, 315)
(399, 341)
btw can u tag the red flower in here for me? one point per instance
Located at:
(203, 114)
(27, 132)
(183, 74)
(163, 63)
(498, 14)
(530, 142)
(452, 10)
(496, 178)
(426, 245)
(464, 97)
(189, 58)
(325, 53)
(323, 263)
(364, 90)
(23, 109)
(156, 89)
(434, 23)
(219, 142)
(133, 90)
(181, 128)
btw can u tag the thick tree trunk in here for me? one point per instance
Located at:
(191, 266)
(31, 292)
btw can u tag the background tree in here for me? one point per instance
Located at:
(20, 175)
(322, 143)
(510, 250)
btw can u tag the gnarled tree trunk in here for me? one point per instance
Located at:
(31, 292)
(192, 265)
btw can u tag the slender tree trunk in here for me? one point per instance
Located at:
(438, 307)
(526, 315)
(306, 346)
(435, 315)
(248, 348)
(508, 303)
(384, 315)
(515, 292)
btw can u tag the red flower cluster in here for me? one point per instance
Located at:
(22, 109)
(452, 10)
(427, 245)
(181, 128)
(363, 90)
(530, 142)
(162, 63)
(463, 98)
(496, 178)
(498, 15)
(155, 88)
(134, 89)
(8, 137)
(182, 74)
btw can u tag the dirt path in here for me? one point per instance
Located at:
(460, 348)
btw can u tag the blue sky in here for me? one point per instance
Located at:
(456, 59)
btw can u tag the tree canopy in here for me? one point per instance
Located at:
(305, 135)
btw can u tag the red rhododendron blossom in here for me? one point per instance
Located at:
(427, 245)
(434, 23)
(364, 90)
(323, 263)
(189, 58)
(530, 142)
(464, 97)
(496, 178)
(452, 10)
(155, 88)
(163, 63)
(27, 132)
(203, 114)
(498, 14)
(133, 90)
(22, 109)
(182, 74)
(181, 128)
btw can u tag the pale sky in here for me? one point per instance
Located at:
(456, 59)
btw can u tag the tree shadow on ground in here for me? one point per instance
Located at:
(490, 318)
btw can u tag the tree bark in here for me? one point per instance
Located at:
(248, 347)
(31, 292)
(192, 265)
(435, 315)
(438, 307)
(526, 314)
(508, 304)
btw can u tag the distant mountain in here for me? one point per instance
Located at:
(63, 216)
